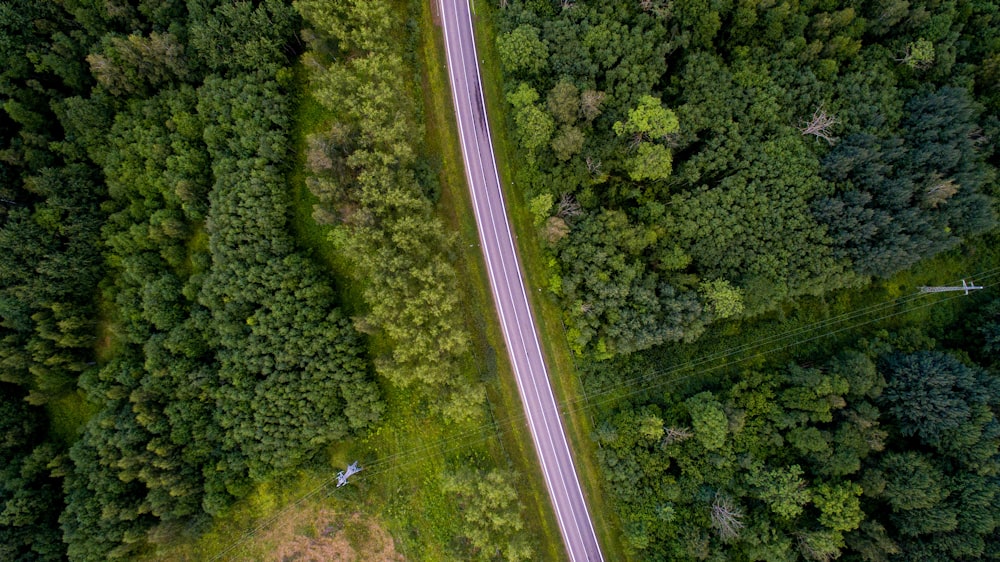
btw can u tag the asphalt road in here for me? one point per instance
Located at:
(507, 284)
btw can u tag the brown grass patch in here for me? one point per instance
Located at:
(322, 535)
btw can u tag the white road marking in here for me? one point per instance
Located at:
(580, 541)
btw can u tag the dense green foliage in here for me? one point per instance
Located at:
(371, 180)
(230, 362)
(782, 148)
(50, 264)
(872, 455)
(29, 492)
(50, 267)
(490, 508)
(690, 161)
(50, 218)
(292, 378)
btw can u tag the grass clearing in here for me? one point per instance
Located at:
(107, 343)
(395, 501)
(321, 534)
(565, 380)
(68, 414)
(321, 527)
(314, 238)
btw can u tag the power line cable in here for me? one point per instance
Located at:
(779, 337)
(639, 390)
(584, 403)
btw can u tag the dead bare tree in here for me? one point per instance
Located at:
(939, 190)
(660, 8)
(590, 104)
(811, 553)
(819, 126)
(594, 166)
(504, 4)
(637, 138)
(318, 158)
(676, 435)
(726, 518)
(907, 57)
(567, 4)
(567, 207)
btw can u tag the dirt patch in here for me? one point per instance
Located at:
(321, 535)
(436, 13)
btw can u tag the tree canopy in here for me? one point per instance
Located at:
(149, 147)
(813, 463)
(786, 149)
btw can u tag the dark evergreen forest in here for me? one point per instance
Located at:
(710, 164)
(145, 148)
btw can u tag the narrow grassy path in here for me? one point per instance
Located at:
(813, 327)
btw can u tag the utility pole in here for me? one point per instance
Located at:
(965, 287)
(351, 470)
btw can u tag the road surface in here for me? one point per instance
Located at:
(508, 286)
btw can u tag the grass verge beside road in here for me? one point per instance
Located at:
(490, 354)
(565, 381)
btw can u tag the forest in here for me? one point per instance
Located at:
(709, 169)
(169, 345)
(693, 161)
(885, 450)
(696, 170)
(369, 177)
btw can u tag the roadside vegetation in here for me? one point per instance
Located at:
(535, 259)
